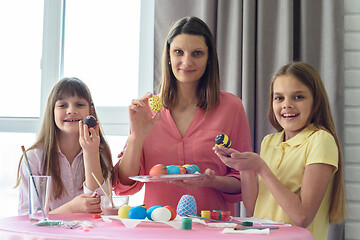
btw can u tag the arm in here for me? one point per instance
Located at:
(84, 203)
(141, 124)
(90, 143)
(249, 183)
(301, 207)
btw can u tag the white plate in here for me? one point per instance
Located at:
(167, 177)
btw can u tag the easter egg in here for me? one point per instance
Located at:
(161, 214)
(186, 165)
(223, 140)
(186, 206)
(158, 169)
(172, 210)
(150, 210)
(173, 169)
(90, 121)
(155, 103)
(182, 169)
(124, 211)
(192, 169)
(137, 212)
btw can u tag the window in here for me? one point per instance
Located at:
(101, 47)
(20, 47)
(46, 45)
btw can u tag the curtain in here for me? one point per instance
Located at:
(254, 38)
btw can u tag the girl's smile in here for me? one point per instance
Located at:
(292, 104)
(69, 111)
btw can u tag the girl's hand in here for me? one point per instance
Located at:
(84, 203)
(89, 138)
(197, 183)
(141, 120)
(240, 161)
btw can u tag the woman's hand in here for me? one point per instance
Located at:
(240, 161)
(89, 138)
(197, 183)
(141, 120)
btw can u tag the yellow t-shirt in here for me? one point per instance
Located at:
(287, 160)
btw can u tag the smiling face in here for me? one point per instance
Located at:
(68, 111)
(292, 104)
(188, 57)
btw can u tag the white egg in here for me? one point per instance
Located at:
(161, 214)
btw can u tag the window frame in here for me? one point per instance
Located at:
(115, 120)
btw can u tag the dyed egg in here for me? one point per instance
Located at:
(172, 210)
(223, 140)
(150, 210)
(158, 169)
(182, 169)
(173, 169)
(124, 211)
(137, 212)
(90, 121)
(161, 214)
(155, 103)
(186, 165)
(186, 206)
(192, 169)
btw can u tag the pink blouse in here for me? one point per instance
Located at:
(165, 145)
(72, 177)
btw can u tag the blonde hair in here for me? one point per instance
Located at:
(208, 88)
(47, 138)
(321, 117)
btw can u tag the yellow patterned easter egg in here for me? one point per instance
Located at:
(155, 103)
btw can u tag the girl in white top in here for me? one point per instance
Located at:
(68, 151)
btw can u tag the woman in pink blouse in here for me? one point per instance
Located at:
(183, 132)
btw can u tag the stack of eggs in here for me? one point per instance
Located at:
(174, 169)
(155, 213)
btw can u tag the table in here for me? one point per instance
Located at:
(19, 227)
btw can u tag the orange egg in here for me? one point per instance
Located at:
(172, 210)
(158, 169)
(182, 169)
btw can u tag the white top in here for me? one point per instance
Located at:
(72, 177)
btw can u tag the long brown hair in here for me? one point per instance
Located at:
(208, 88)
(47, 138)
(321, 117)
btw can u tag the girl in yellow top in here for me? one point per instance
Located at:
(300, 168)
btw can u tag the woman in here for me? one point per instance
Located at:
(183, 132)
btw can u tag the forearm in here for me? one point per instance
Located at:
(130, 162)
(226, 184)
(288, 201)
(249, 190)
(92, 165)
(65, 208)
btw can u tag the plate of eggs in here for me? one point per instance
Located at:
(162, 173)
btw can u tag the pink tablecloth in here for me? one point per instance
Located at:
(19, 227)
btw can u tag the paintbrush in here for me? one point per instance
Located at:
(110, 189)
(33, 181)
(112, 203)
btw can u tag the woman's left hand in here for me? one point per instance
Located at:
(197, 183)
(89, 139)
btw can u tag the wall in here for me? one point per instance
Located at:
(352, 116)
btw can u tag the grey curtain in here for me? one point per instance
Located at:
(254, 38)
